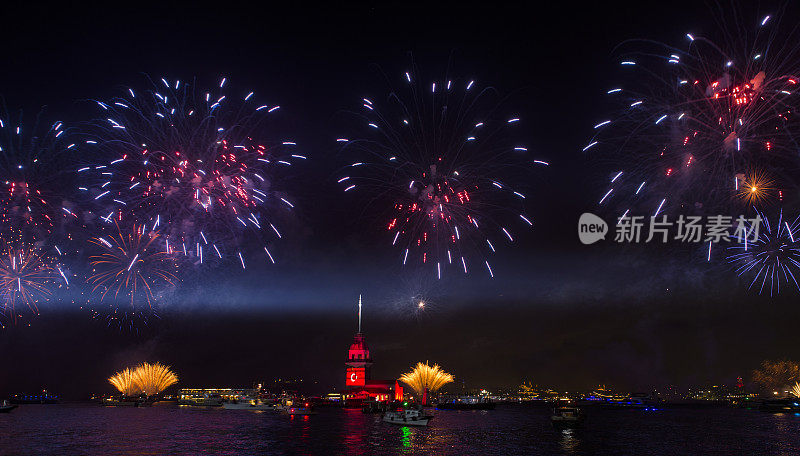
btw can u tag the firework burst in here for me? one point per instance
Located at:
(424, 377)
(33, 160)
(193, 165)
(148, 379)
(442, 161)
(132, 264)
(27, 277)
(695, 123)
(418, 295)
(773, 259)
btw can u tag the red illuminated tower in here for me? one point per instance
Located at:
(358, 358)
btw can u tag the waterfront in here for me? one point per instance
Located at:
(88, 429)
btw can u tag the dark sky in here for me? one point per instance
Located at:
(557, 312)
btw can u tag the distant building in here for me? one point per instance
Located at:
(359, 386)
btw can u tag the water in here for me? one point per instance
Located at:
(87, 429)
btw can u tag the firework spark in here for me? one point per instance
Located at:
(442, 162)
(192, 165)
(132, 264)
(773, 259)
(693, 121)
(424, 377)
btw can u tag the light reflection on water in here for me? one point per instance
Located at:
(569, 440)
(406, 436)
(89, 429)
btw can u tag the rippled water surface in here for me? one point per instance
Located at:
(87, 429)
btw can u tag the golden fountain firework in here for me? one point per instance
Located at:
(125, 382)
(154, 378)
(425, 377)
(148, 379)
(795, 389)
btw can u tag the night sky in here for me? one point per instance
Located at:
(556, 313)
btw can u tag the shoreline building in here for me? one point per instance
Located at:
(359, 385)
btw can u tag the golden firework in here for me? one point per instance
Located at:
(125, 382)
(754, 188)
(426, 377)
(148, 379)
(776, 374)
(154, 378)
(795, 389)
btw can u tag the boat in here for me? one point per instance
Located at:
(465, 403)
(780, 405)
(7, 407)
(375, 406)
(248, 404)
(407, 417)
(294, 406)
(567, 416)
(205, 401)
(43, 398)
(636, 403)
(299, 411)
(116, 402)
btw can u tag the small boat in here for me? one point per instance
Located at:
(375, 407)
(7, 407)
(43, 398)
(408, 417)
(780, 406)
(626, 403)
(248, 404)
(465, 403)
(294, 406)
(115, 402)
(299, 411)
(567, 416)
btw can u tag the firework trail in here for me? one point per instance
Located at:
(439, 163)
(193, 166)
(134, 265)
(710, 125)
(773, 259)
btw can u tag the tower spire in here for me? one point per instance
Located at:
(359, 314)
